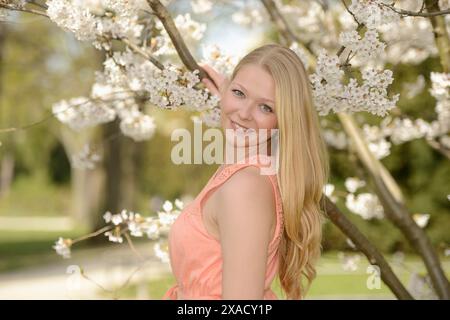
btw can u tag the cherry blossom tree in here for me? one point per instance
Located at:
(346, 47)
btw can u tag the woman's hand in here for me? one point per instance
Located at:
(219, 83)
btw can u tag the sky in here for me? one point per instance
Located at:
(232, 38)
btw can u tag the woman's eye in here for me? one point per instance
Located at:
(266, 108)
(239, 92)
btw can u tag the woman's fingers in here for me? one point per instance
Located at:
(211, 87)
(216, 77)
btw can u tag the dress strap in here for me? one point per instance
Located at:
(260, 161)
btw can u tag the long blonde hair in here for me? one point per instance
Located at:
(303, 166)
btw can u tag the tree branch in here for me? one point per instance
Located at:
(396, 211)
(390, 196)
(405, 13)
(14, 8)
(439, 147)
(178, 42)
(369, 250)
(333, 212)
(40, 5)
(143, 53)
(440, 34)
(285, 30)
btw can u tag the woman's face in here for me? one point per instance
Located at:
(249, 101)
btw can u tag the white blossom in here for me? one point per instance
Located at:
(300, 52)
(138, 126)
(420, 288)
(162, 254)
(214, 56)
(440, 85)
(79, 113)
(249, 15)
(398, 258)
(368, 47)
(201, 6)
(98, 21)
(191, 30)
(372, 12)
(107, 217)
(336, 139)
(179, 204)
(152, 230)
(328, 190)
(380, 149)
(353, 183)
(421, 219)
(330, 94)
(86, 159)
(412, 89)
(211, 117)
(409, 40)
(350, 262)
(365, 204)
(114, 235)
(75, 18)
(350, 243)
(62, 247)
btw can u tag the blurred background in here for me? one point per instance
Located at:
(42, 197)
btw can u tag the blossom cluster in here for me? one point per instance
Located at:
(373, 13)
(191, 30)
(365, 48)
(86, 159)
(331, 94)
(97, 21)
(128, 222)
(127, 77)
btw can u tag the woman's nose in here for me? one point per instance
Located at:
(245, 112)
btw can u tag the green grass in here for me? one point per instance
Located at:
(35, 196)
(30, 248)
(331, 281)
(324, 286)
(19, 249)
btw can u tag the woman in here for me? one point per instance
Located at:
(244, 227)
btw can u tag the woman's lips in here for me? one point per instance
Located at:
(237, 126)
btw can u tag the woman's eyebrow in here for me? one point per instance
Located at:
(266, 99)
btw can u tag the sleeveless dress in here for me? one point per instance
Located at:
(195, 255)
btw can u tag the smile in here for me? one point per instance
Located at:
(237, 126)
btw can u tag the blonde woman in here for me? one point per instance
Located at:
(245, 228)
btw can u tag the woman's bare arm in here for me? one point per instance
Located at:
(246, 213)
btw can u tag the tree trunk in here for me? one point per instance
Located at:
(6, 173)
(121, 166)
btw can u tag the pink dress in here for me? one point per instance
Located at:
(195, 256)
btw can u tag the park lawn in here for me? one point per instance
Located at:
(31, 248)
(332, 282)
(37, 193)
(324, 287)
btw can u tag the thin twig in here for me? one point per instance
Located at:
(33, 11)
(349, 11)
(405, 13)
(52, 115)
(143, 53)
(93, 234)
(95, 282)
(133, 248)
(40, 5)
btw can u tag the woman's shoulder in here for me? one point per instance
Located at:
(247, 183)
